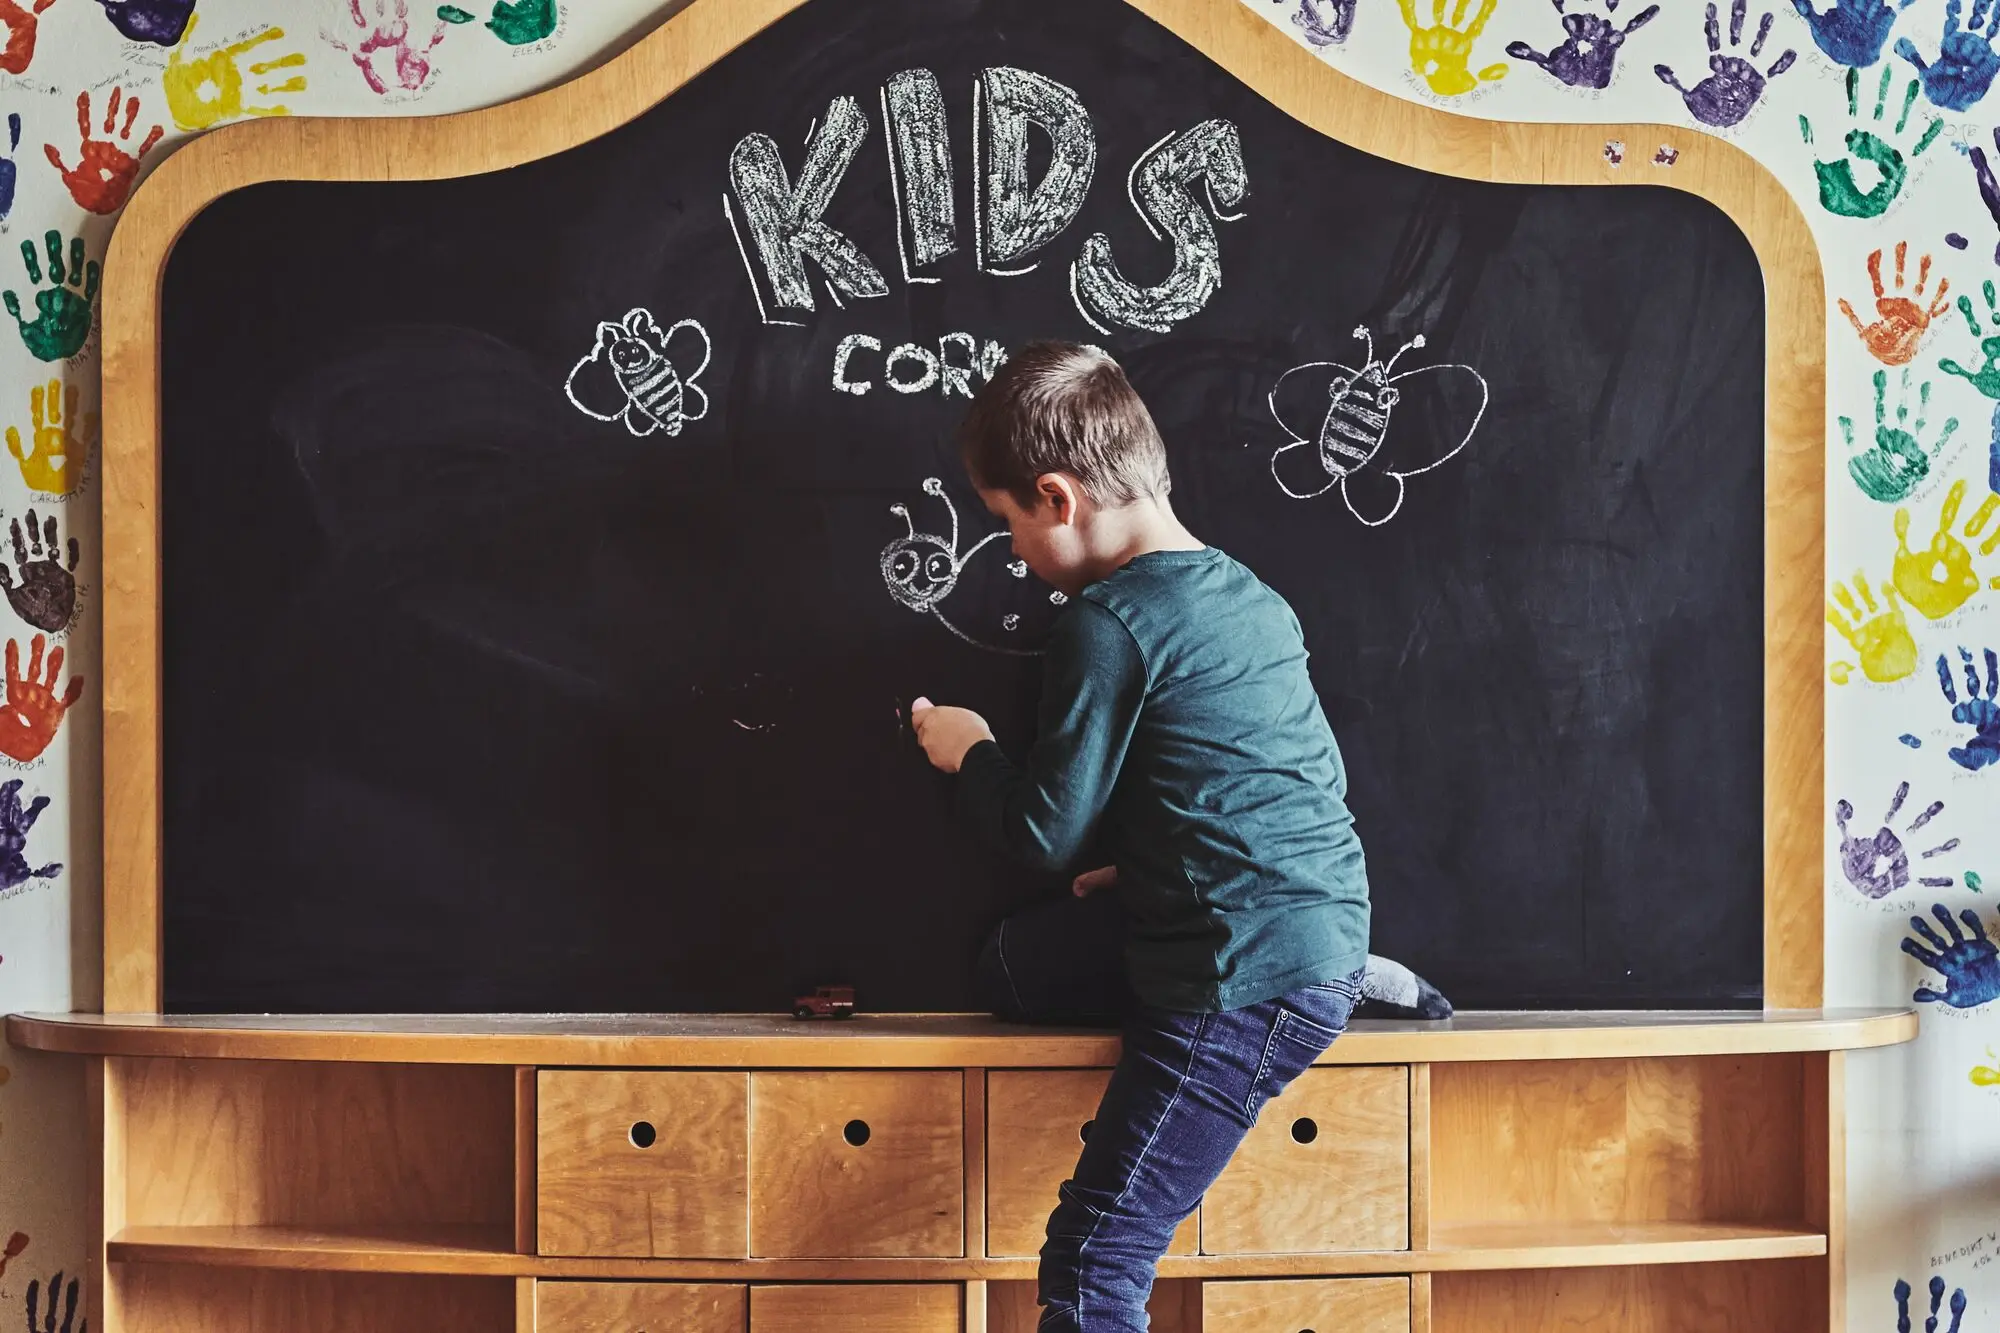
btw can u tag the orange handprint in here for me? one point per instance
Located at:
(48, 469)
(29, 718)
(20, 24)
(1893, 338)
(1939, 579)
(104, 171)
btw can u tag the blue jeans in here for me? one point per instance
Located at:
(1186, 1090)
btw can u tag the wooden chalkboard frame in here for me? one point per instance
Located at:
(1227, 32)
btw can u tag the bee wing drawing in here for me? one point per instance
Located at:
(687, 347)
(1439, 409)
(1299, 402)
(593, 387)
(1371, 496)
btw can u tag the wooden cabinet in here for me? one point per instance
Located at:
(642, 1163)
(1036, 1121)
(1312, 1305)
(857, 1164)
(1326, 1168)
(640, 1307)
(875, 1308)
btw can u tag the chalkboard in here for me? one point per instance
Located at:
(548, 555)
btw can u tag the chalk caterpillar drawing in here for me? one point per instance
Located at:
(1159, 187)
(1878, 864)
(1010, 221)
(922, 568)
(1351, 432)
(633, 374)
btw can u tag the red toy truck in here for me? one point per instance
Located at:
(825, 1002)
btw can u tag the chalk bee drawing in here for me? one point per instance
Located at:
(1351, 436)
(634, 374)
(922, 568)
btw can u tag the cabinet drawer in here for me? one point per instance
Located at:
(1320, 1305)
(1036, 1121)
(639, 1307)
(884, 1308)
(858, 1164)
(1326, 1168)
(641, 1163)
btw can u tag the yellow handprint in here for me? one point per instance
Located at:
(1881, 637)
(1939, 579)
(1986, 1076)
(208, 91)
(1442, 52)
(48, 469)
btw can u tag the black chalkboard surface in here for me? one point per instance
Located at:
(548, 554)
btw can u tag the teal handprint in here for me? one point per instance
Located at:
(1986, 379)
(1897, 462)
(63, 308)
(515, 22)
(1839, 192)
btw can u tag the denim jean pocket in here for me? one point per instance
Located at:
(1295, 1041)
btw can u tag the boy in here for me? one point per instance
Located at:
(1179, 725)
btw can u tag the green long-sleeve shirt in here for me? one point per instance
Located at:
(1177, 719)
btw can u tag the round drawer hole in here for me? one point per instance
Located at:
(855, 1132)
(1083, 1133)
(642, 1134)
(1304, 1130)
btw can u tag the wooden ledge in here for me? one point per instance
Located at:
(888, 1041)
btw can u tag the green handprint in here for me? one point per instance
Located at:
(62, 322)
(1839, 193)
(523, 21)
(1986, 379)
(1898, 461)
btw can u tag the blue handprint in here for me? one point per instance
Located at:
(9, 173)
(1982, 714)
(1902, 1290)
(1325, 22)
(1589, 49)
(14, 825)
(1853, 31)
(1966, 60)
(1971, 967)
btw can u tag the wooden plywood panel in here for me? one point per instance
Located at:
(166, 1299)
(640, 1307)
(1773, 1296)
(1036, 1121)
(1327, 1167)
(1175, 1307)
(642, 1163)
(228, 1142)
(857, 1164)
(1341, 1305)
(878, 1308)
(1673, 1139)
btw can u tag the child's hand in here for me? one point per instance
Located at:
(947, 733)
(1092, 880)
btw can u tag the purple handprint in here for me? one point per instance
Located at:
(1880, 865)
(14, 825)
(1970, 966)
(1587, 55)
(159, 21)
(1989, 188)
(1851, 32)
(1980, 713)
(1325, 22)
(1966, 60)
(1733, 86)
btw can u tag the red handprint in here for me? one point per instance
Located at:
(20, 25)
(29, 718)
(104, 171)
(1894, 337)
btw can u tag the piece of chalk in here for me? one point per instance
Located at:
(918, 704)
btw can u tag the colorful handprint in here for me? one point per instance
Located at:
(48, 467)
(1734, 85)
(1588, 53)
(1839, 192)
(1901, 322)
(18, 52)
(1441, 53)
(1986, 379)
(1897, 462)
(69, 1313)
(10, 170)
(104, 171)
(42, 591)
(519, 22)
(1879, 865)
(33, 712)
(1980, 712)
(1325, 22)
(1989, 187)
(1879, 635)
(1851, 32)
(1902, 1293)
(386, 37)
(1970, 965)
(62, 312)
(209, 89)
(157, 21)
(1966, 60)
(1987, 1076)
(1939, 579)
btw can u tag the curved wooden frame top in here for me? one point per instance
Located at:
(1252, 50)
